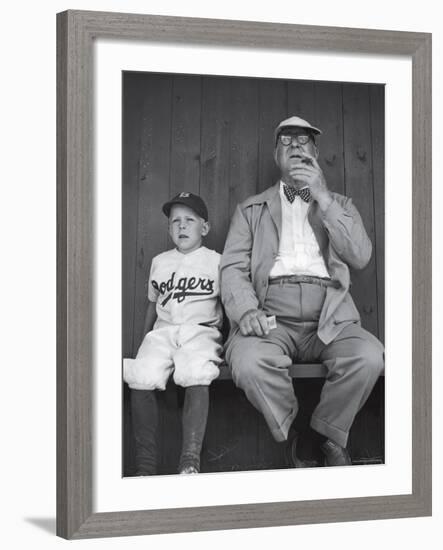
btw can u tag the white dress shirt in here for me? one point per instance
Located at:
(299, 253)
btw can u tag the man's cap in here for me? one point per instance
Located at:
(295, 122)
(190, 200)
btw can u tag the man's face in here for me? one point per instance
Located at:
(288, 156)
(186, 228)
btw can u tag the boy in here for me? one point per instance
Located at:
(182, 325)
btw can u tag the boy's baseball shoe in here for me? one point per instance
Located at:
(189, 465)
(189, 470)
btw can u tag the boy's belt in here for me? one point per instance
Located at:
(310, 279)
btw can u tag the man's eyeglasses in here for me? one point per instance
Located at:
(301, 139)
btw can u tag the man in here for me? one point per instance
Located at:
(287, 255)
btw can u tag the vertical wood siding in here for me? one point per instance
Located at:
(214, 136)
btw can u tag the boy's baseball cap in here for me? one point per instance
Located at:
(295, 122)
(190, 200)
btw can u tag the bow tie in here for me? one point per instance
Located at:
(291, 193)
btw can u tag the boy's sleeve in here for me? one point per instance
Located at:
(217, 261)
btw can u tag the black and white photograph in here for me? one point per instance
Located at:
(218, 223)
(253, 265)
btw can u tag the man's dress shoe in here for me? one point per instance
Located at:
(291, 455)
(334, 454)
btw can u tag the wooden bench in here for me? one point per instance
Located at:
(297, 370)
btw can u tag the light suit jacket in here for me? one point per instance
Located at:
(252, 245)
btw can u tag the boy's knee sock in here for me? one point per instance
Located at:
(144, 423)
(195, 415)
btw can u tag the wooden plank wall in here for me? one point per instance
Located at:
(214, 136)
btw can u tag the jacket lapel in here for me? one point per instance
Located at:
(274, 204)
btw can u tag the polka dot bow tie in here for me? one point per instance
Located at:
(291, 193)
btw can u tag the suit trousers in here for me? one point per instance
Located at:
(259, 365)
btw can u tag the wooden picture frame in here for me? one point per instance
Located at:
(76, 32)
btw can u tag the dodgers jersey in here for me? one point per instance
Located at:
(186, 288)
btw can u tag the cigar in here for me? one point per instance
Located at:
(307, 160)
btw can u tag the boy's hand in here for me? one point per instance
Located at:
(254, 323)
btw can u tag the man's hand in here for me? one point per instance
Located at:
(308, 172)
(254, 323)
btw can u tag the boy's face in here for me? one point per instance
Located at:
(186, 228)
